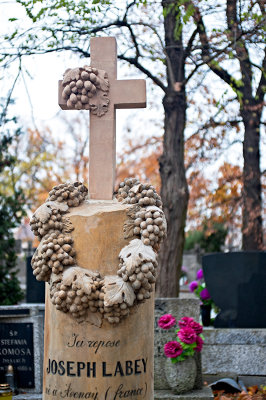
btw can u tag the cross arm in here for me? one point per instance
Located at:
(129, 93)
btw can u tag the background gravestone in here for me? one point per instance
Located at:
(236, 282)
(17, 350)
(35, 292)
(21, 344)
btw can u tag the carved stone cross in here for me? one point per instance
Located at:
(121, 94)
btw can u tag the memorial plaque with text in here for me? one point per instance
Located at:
(16, 349)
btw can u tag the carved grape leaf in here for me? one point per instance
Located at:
(136, 188)
(71, 75)
(87, 283)
(44, 212)
(131, 212)
(128, 229)
(55, 278)
(104, 83)
(81, 276)
(117, 291)
(99, 103)
(136, 253)
(94, 318)
(68, 275)
(67, 225)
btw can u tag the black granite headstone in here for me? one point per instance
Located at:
(16, 349)
(35, 292)
(236, 283)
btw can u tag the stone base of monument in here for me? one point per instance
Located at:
(234, 353)
(91, 357)
(21, 345)
(203, 394)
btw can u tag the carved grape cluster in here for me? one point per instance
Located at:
(141, 277)
(80, 84)
(72, 194)
(131, 191)
(77, 295)
(115, 313)
(41, 229)
(150, 225)
(148, 219)
(54, 253)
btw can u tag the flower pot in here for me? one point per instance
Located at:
(205, 312)
(181, 376)
(236, 283)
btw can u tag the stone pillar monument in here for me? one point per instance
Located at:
(98, 254)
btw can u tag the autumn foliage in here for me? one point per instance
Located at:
(252, 393)
(214, 197)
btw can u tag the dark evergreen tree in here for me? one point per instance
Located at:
(11, 213)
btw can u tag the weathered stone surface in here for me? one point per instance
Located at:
(205, 394)
(98, 234)
(235, 336)
(234, 351)
(181, 376)
(179, 308)
(88, 363)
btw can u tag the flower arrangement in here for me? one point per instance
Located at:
(199, 288)
(189, 338)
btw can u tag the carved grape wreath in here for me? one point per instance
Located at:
(84, 294)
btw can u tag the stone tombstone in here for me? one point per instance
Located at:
(21, 345)
(178, 307)
(98, 254)
(236, 282)
(35, 291)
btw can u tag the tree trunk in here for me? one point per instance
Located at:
(252, 236)
(174, 190)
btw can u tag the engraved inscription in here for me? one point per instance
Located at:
(92, 369)
(77, 341)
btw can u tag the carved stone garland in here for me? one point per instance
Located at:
(86, 294)
(86, 89)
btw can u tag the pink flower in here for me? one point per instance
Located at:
(185, 321)
(167, 321)
(187, 335)
(172, 349)
(199, 342)
(204, 294)
(200, 274)
(193, 286)
(196, 327)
